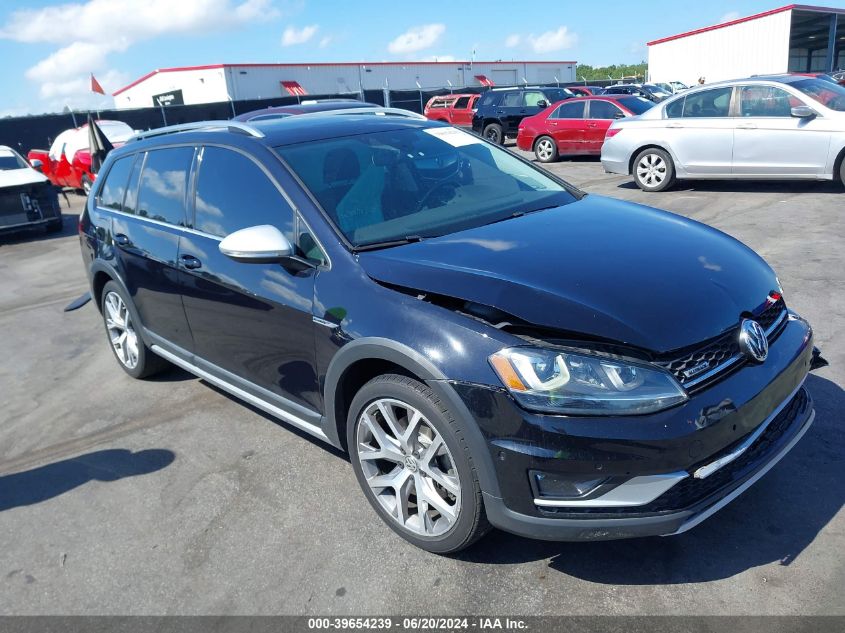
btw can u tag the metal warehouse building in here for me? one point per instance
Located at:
(794, 38)
(223, 82)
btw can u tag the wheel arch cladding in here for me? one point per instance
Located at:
(360, 361)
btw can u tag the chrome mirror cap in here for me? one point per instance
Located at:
(803, 112)
(257, 244)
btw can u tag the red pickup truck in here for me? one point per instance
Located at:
(455, 109)
(68, 161)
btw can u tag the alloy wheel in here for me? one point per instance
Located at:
(545, 150)
(122, 334)
(651, 170)
(493, 136)
(408, 467)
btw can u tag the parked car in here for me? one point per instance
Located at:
(778, 127)
(490, 345)
(27, 198)
(456, 109)
(839, 77)
(646, 91)
(68, 161)
(581, 91)
(575, 126)
(500, 110)
(318, 105)
(678, 86)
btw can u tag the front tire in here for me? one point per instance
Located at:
(545, 149)
(136, 359)
(654, 170)
(494, 133)
(414, 466)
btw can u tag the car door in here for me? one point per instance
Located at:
(250, 320)
(568, 127)
(600, 114)
(146, 235)
(460, 113)
(769, 141)
(699, 132)
(511, 111)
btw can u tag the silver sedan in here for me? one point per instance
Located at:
(778, 127)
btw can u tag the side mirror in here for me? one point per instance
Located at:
(803, 112)
(542, 103)
(37, 164)
(262, 244)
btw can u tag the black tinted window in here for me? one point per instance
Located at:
(604, 110)
(573, 110)
(114, 188)
(488, 99)
(163, 184)
(234, 193)
(461, 103)
(130, 202)
(708, 103)
(675, 109)
(512, 100)
(637, 105)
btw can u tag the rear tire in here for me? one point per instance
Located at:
(653, 170)
(493, 132)
(545, 149)
(414, 465)
(120, 320)
(842, 171)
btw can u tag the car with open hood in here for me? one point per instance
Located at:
(27, 198)
(491, 345)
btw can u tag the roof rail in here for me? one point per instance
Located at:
(378, 111)
(232, 126)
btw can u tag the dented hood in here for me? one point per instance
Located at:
(599, 267)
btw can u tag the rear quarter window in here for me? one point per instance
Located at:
(488, 99)
(113, 189)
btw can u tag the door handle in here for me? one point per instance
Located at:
(190, 262)
(746, 126)
(675, 126)
(592, 125)
(121, 240)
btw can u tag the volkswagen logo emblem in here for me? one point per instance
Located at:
(752, 340)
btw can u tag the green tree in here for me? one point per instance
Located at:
(616, 72)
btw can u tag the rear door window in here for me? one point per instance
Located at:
(708, 103)
(512, 100)
(571, 110)
(461, 103)
(488, 99)
(114, 188)
(164, 182)
(604, 110)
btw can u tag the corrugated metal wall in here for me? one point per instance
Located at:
(755, 47)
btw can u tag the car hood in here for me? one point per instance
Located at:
(16, 177)
(597, 267)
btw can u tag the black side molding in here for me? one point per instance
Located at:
(81, 301)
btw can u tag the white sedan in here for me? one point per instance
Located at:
(778, 127)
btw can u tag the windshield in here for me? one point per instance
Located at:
(655, 90)
(637, 105)
(419, 182)
(827, 93)
(10, 160)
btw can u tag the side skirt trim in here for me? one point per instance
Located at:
(265, 406)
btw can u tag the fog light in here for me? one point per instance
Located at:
(563, 486)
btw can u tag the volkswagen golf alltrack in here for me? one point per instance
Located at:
(492, 346)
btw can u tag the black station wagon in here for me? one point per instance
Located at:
(492, 346)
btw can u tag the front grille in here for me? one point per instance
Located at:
(691, 491)
(27, 203)
(722, 353)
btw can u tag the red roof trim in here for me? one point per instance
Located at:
(756, 16)
(305, 64)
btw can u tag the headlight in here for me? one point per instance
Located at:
(580, 384)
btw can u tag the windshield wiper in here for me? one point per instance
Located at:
(372, 246)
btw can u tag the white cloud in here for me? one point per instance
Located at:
(293, 36)
(552, 41)
(730, 16)
(87, 32)
(513, 40)
(76, 92)
(325, 41)
(416, 38)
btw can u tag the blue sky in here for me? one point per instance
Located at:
(48, 48)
